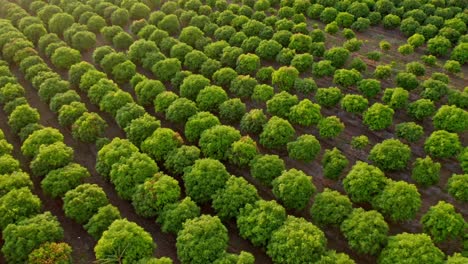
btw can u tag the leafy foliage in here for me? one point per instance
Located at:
(150, 197)
(334, 162)
(235, 195)
(330, 207)
(81, 203)
(296, 241)
(174, 215)
(124, 242)
(51, 252)
(366, 231)
(277, 132)
(131, 171)
(306, 148)
(59, 181)
(161, 143)
(399, 200)
(412, 248)
(258, 221)
(25, 236)
(425, 171)
(101, 221)
(457, 186)
(202, 240)
(17, 205)
(442, 222)
(294, 188)
(378, 116)
(390, 154)
(51, 157)
(442, 144)
(204, 178)
(364, 182)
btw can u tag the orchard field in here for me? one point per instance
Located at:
(214, 131)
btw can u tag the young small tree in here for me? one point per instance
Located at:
(330, 127)
(232, 110)
(442, 222)
(57, 182)
(294, 189)
(390, 154)
(242, 151)
(81, 203)
(210, 98)
(306, 148)
(204, 178)
(366, 231)
(305, 113)
(396, 98)
(247, 64)
(113, 101)
(337, 55)
(150, 197)
(369, 87)
(378, 116)
(181, 110)
(364, 182)
(161, 142)
(277, 132)
(281, 103)
(51, 157)
(89, 127)
(124, 241)
(334, 162)
(285, 77)
(399, 200)
(235, 195)
(410, 247)
(101, 221)
(442, 144)
(410, 131)
(407, 80)
(141, 128)
(425, 171)
(130, 172)
(51, 252)
(330, 207)
(166, 69)
(174, 215)
(297, 231)
(17, 205)
(180, 159)
(451, 119)
(198, 123)
(346, 78)
(457, 187)
(22, 116)
(354, 103)
(421, 108)
(111, 153)
(328, 97)
(216, 141)
(147, 90)
(438, 46)
(253, 121)
(323, 68)
(202, 240)
(258, 221)
(25, 236)
(65, 57)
